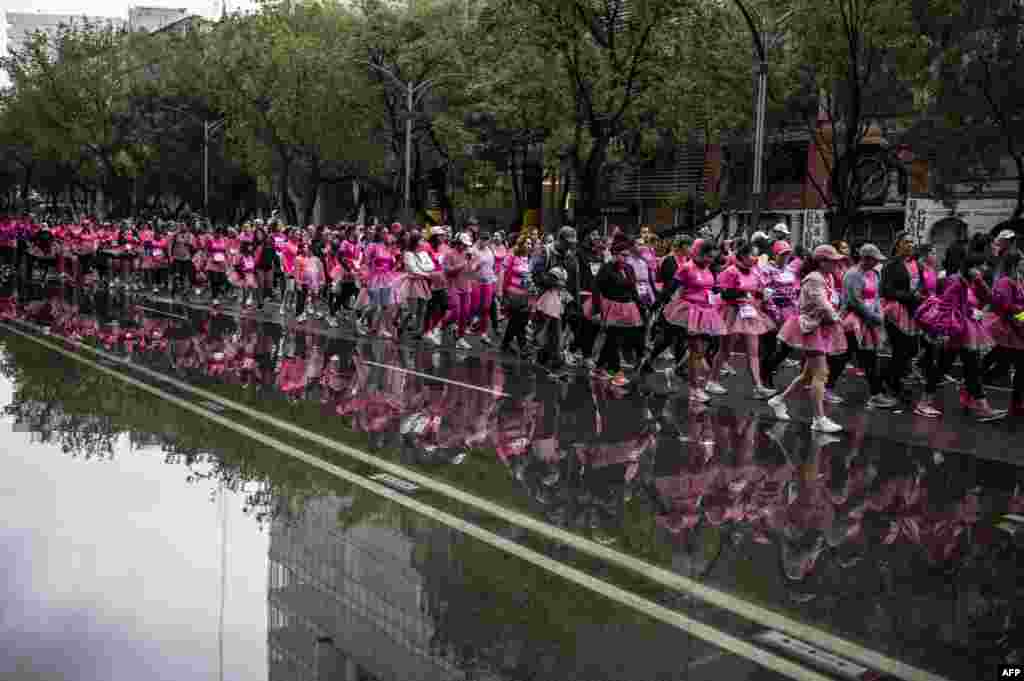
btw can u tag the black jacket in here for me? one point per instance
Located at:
(896, 283)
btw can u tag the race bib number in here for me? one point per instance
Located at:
(747, 312)
(595, 267)
(714, 299)
(787, 278)
(519, 443)
(158, 253)
(219, 257)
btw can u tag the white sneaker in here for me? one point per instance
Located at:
(332, 322)
(669, 355)
(727, 370)
(825, 425)
(434, 337)
(832, 398)
(778, 406)
(486, 339)
(716, 388)
(302, 318)
(764, 393)
(882, 402)
(386, 334)
(463, 344)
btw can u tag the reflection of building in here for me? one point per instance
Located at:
(20, 26)
(358, 587)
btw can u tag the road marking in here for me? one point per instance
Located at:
(814, 656)
(166, 314)
(396, 483)
(616, 594)
(763, 616)
(431, 377)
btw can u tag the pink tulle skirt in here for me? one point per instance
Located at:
(1005, 333)
(898, 314)
(698, 320)
(550, 303)
(868, 337)
(413, 288)
(735, 325)
(243, 279)
(312, 279)
(976, 337)
(827, 338)
(380, 280)
(615, 314)
(151, 262)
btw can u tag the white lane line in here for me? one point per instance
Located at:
(166, 314)
(616, 594)
(431, 377)
(725, 601)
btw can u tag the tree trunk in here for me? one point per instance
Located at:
(589, 174)
(312, 191)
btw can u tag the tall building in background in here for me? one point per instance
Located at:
(20, 26)
(149, 19)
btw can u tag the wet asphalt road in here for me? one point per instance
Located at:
(898, 535)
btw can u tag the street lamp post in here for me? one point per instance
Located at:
(761, 46)
(414, 92)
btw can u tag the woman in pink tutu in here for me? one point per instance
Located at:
(380, 266)
(309, 278)
(217, 264)
(615, 305)
(817, 333)
(743, 318)
(1006, 322)
(863, 321)
(781, 295)
(691, 311)
(419, 267)
(901, 283)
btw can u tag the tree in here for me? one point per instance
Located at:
(294, 101)
(973, 116)
(860, 61)
(73, 88)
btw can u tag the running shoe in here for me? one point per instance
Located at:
(823, 424)
(927, 409)
(764, 393)
(727, 370)
(620, 379)
(463, 344)
(779, 408)
(434, 337)
(486, 339)
(716, 388)
(881, 402)
(832, 398)
(385, 334)
(301, 319)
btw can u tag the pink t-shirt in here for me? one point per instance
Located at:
(696, 283)
(748, 282)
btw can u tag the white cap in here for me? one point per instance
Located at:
(758, 235)
(781, 228)
(1006, 235)
(465, 239)
(439, 230)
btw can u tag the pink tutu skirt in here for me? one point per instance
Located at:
(898, 314)
(698, 320)
(827, 338)
(550, 303)
(1005, 333)
(414, 288)
(733, 324)
(313, 279)
(868, 337)
(976, 337)
(615, 314)
(380, 280)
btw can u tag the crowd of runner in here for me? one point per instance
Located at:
(612, 304)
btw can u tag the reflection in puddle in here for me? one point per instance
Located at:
(912, 551)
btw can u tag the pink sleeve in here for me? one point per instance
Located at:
(729, 279)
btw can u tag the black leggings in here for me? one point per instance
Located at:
(867, 359)
(904, 347)
(518, 311)
(971, 361)
(671, 336)
(615, 338)
(218, 281)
